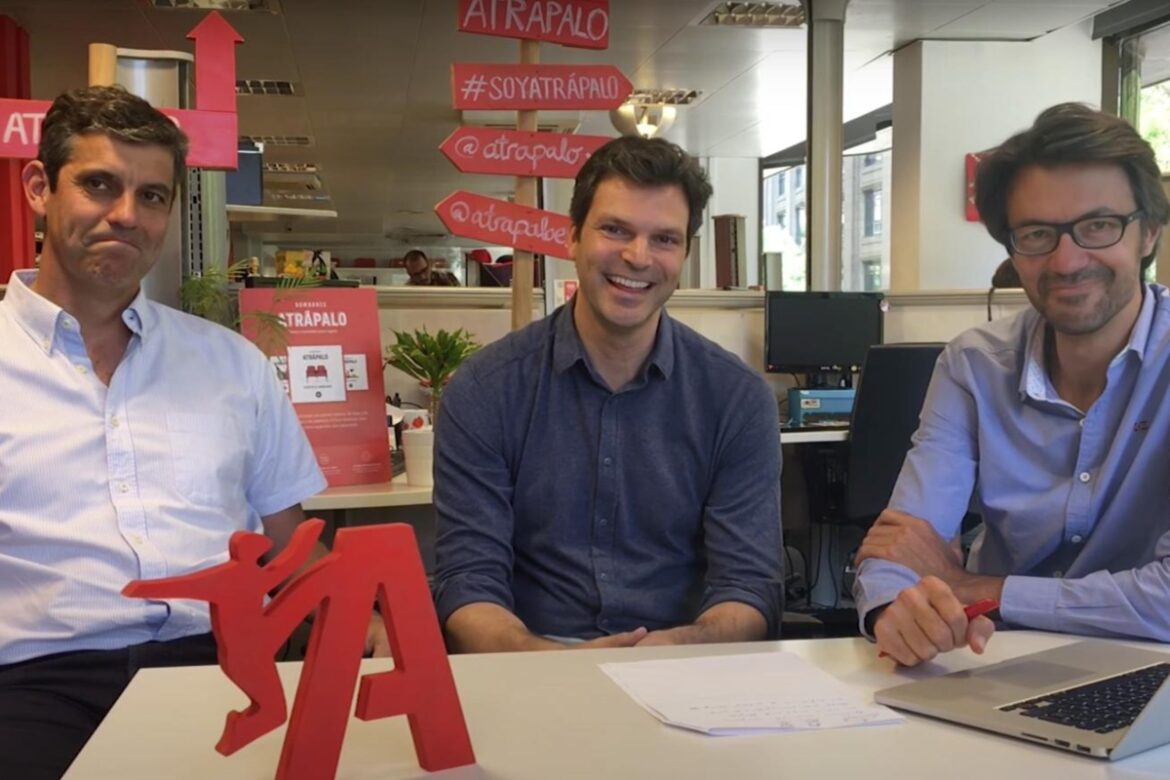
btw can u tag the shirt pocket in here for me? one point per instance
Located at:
(207, 456)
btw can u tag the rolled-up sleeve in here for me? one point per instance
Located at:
(742, 515)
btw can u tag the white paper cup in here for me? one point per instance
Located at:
(418, 447)
(415, 418)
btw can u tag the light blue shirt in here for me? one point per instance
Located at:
(1076, 507)
(192, 440)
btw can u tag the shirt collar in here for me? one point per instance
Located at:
(1034, 380)
(568, 349)
(41, 319)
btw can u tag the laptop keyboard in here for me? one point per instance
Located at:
(1101, 706)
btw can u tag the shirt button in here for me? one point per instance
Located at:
(604, 576)
(67, 323)
(1084, 476)
(46, 343)
(123, 487)
(1081, 422)
(607, 461)
(80, 369)
(1077, 539)
(1058, 574)
(114, 422)
(603, 521)
(136, 539)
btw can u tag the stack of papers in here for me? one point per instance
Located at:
(745, 694)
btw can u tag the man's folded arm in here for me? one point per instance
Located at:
(1131, 603)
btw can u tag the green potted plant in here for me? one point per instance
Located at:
(209, 295)
(430, 359)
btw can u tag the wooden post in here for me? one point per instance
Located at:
(103, 64)
(17, 249)
(522, 261)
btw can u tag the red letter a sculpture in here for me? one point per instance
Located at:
(374, 563)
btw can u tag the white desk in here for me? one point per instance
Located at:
(813, 437)
(537, 716)
(394, 493)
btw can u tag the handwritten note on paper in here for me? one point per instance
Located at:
(745, 694)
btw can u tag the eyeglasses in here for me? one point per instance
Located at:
(1097, 232)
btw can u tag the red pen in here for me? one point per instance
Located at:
(972, 611)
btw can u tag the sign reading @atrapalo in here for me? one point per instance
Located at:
(500, 223)
(517, 153)
(485, 86)
(211, 126)
(375, 564)
(580, 23)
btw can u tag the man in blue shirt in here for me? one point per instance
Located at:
(1053, 420)
(607, 477)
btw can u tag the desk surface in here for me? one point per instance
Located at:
(397, 492)
(536, 716)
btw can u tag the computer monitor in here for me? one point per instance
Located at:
(814, 332)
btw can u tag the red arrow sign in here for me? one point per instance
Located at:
(215, 63)
(505, 224)
(581, 23)
(212, 133)
(486, 86)
(516, 153)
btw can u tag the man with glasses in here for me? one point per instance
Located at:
(424, 274)
(1051, 424)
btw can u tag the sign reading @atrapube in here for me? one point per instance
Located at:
(500, 223)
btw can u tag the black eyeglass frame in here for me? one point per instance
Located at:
(1067, 227)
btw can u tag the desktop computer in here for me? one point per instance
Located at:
(810, 407)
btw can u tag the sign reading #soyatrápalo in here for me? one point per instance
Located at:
(505, 224)
(518, 153)
(489, 86)
(580, 23)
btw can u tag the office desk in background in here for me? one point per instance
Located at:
(536, 716)
(397, 493)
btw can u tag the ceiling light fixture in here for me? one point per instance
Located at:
(644, 120)
(755, 15)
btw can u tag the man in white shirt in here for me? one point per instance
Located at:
(134, 439)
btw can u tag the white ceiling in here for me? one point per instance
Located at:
(376, 81)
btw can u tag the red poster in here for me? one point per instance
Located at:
(488, 86)
(331, 366)
(517, 153)
(581, 23)
(212, 133)
(505, 224)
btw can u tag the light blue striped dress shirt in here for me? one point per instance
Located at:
(1076, 506)
(192, 440)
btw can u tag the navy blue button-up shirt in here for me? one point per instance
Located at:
(589, 512)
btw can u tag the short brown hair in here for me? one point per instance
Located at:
(646, 162)
(108, 111)
(1071, 133)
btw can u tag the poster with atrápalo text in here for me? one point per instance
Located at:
(330, 362)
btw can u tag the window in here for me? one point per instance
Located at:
(873, 212)
(871, 160)
(798, 227)
(872, 275)
(798, 177)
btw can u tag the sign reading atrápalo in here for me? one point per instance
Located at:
(580, 23)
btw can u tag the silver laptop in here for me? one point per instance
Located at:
(1094, 698)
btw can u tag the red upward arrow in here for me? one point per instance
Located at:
(215, 63)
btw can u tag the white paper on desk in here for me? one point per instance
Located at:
(745, 694)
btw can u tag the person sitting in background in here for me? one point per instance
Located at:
(137, 441)
(606, 476)
(1054, 420)
(424, 274)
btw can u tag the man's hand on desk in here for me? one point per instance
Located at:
(728, 621)
(927, 619)
(377, 642)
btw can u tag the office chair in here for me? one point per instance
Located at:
(885, 415)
